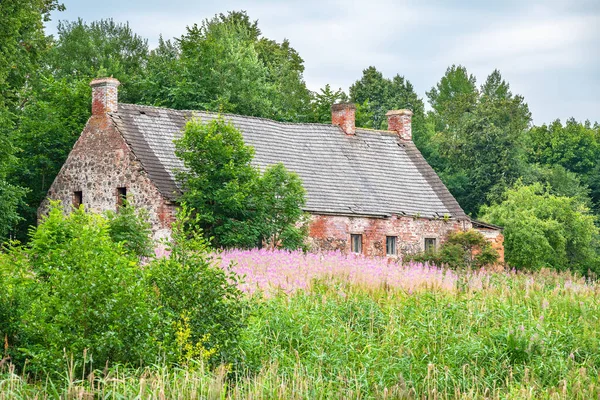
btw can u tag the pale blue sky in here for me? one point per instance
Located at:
(548, 50)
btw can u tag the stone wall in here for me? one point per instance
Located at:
(100, 162)
(328, 232)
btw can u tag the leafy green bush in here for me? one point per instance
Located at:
(75, 290)
(546, 230)
(468, 249)
(89, 294)
(130, 226)
(196, 295)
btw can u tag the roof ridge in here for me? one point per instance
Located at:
(250, 117)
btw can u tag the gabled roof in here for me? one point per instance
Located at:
(372, 173)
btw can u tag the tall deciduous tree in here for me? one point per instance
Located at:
(56, 102)
(22, 44)
(225, 64)
(481, 144)
(322, 101)
(383, 94)
(235, 205)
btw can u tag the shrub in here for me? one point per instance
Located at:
(130, 226)
(545, 230)
(89, 294)
(468, 249)
(197, 297)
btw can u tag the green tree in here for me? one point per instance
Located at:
(322, 101)
(48, 125)
(382, 95)
(22, 44)
(235, 205)
(101, 48)
(545, 230)
(453, 96)
(224, 64)
(482, 150)
(281, 198)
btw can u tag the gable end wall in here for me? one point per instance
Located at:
(100, 162)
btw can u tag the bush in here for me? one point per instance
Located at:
(468, 249)
(198, 297)
(76, 290)
(88, 294)
(130, 227)
(542, 229)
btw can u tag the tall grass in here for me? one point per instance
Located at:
(325, 326)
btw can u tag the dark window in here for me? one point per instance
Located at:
(77, 198)
(121, 196)
(356, 243)
(430, 244)
(390, 245)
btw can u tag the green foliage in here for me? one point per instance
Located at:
(480, 138)
(545, 230)
(225, 65)
(130, 227)
(193, 291)
(22, 44)
(453, 96)
(236, 206)
(98, 49)
(48, 125)
(281, 197)
(469, 249)
(322, 101)
(381, 94)
(88, 294)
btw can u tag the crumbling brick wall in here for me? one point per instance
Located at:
(100, 162)
(330, 232)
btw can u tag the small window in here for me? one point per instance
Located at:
(356, 243)
(121, 196)
(77, 198)
(390, 245)
(430, 244)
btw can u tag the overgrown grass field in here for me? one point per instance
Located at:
(330, 326)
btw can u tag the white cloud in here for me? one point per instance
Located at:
(528, 44)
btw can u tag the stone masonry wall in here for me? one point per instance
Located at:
(100, 162)
(328, 232)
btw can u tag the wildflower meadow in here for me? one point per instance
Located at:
(343, 326)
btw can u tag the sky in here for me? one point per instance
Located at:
(548, 50)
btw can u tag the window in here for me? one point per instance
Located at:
(121, 196)
(356, 243)
(77, 198)
(430, 244)
(390, 245)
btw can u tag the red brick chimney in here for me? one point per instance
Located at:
(104, 95)
(400, 121)
(343, 115)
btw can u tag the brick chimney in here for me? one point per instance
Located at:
(343, 115)
(400, 121)
(104, 95)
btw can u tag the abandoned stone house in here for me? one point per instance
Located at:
(368, 191)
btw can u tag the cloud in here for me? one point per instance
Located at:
(529, 45)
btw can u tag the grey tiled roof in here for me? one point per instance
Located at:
(371, 173)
